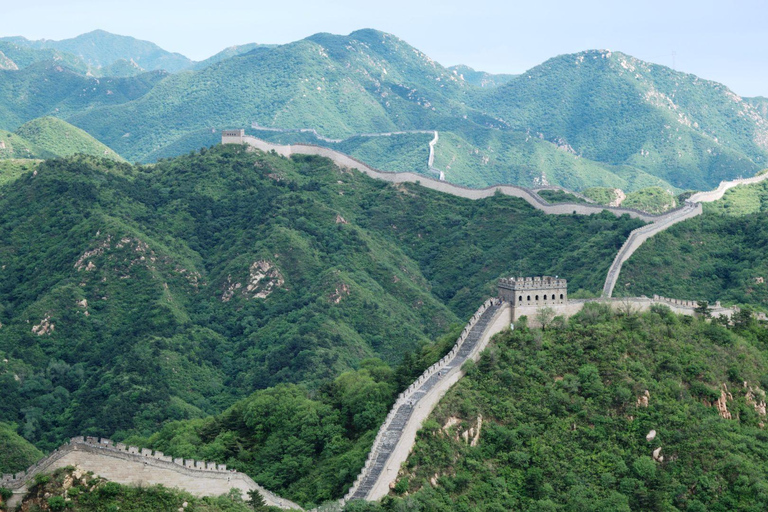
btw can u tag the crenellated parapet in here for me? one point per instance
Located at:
(533, 292)
(125, 464)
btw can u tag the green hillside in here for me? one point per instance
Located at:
(13, 146)
(651, 200)
(613, 108)
(719, 255)
(6, 63)
(12, 169)
(563, 419)
(17, 453)
(49, 88)
(52, 137)
(171, 291)
(480, 78)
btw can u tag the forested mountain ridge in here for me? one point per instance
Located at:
(135, 295)
(613, 108)
(608, 411)
(590, 119)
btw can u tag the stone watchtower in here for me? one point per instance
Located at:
(528, 294)
(232, 136)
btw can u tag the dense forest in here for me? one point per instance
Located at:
(607, 411)
(134, 295)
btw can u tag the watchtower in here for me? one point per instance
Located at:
(232, 136)
(533, 291)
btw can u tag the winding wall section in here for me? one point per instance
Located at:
(343, 160)
(692, 208)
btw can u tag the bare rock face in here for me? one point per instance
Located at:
(263, 279)
(651, 436)
(45, 327)
(644, 399)
(657, 456)
(722, 403)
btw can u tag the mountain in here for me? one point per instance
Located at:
(6, 63)
(49, 89)
(591, 119)
(228, 53)
(760, 104)
(609, 411)
(133, 295)
(49, 137)
(366, 82)
(100, 49)
(480, 78)
(612, 108)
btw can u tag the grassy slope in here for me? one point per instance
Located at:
(52, 137)
(561, 424)
(12, 169)
(717, 256)
(17, 453)
(651, 200)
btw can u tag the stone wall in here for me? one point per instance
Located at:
(134, 466)
(640, 235)
(634, 304)
(528, 195)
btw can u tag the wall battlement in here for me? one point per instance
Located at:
(131, 465)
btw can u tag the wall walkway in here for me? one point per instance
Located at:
(692, 208)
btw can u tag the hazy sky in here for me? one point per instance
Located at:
(723, 40)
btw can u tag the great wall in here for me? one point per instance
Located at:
(397, 434)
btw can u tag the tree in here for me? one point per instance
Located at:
(256, 500)
(743, 319)
(702, 309)
(544, 316)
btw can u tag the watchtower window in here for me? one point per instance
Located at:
(537, 297)
(561, 296)
(520, 298)
(529, 298)
(545, 297)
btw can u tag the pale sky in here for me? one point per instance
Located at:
(723, 40)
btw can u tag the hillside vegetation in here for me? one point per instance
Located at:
(719, 255)
(49, 137)
(609, 411)
(17, 453)
(135, 295)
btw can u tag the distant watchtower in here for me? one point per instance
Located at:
(232, 136)
(534, 291)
